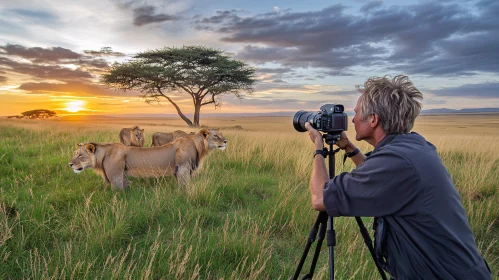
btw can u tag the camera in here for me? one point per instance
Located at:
(330, 119)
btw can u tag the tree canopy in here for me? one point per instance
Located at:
(204, 73)
(36, 114)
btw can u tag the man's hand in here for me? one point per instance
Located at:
(344, 143)
(315, 136)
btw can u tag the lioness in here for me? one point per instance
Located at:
(132, 136)
(161, 138)
(114, 161)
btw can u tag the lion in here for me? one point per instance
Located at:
(161, 138)
(115, 161)
(132, 136)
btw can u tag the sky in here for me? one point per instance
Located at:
(306, 53)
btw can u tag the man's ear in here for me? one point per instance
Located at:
(374, 120)
(90, 148)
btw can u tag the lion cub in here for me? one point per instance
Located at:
(114, 161)
(132, 136)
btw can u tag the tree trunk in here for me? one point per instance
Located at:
(179, 112)
(186, 120)
(197, 110)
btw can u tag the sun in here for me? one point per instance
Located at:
(74, 106)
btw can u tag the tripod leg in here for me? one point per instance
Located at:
(331, 242)
(322, 234)
(310, 240)
(369, 245)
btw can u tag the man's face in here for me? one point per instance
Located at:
(362, 127)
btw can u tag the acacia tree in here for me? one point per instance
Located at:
(39, 114)
(204, 73)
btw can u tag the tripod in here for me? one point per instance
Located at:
(323, 221)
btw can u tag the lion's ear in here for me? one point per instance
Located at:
(142, 130)
(90, 148)
(204, 132)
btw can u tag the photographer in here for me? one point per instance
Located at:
(421, 228)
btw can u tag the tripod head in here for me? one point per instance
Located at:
(331, 138)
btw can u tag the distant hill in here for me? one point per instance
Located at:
(292, 113)
(461, 111)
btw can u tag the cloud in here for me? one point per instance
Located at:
(54, 63)
(33, 15)
(485, 90)
(3, 79)
(70, 87)
(429, 38)
(154, 11)
(40, 55)
(337, 60)
(43, 71)
(269, 103)
(273, 70)
(105, 51)
(147, 14)
(265, 103)
(57, 56)
(370, 6)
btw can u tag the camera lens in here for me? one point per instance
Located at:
(302, 117)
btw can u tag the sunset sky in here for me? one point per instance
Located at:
(307, 53)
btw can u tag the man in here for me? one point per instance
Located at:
(421, 228)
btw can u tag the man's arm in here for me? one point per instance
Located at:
(319, 175)
(318, 180)
(386, 184)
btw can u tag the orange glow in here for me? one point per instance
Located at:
(75, 106)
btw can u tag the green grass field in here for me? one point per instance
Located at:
(246, 215)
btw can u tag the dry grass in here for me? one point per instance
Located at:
(245, 215)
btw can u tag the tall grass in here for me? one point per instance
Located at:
(245, 215)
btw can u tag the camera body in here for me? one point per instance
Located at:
(330, 119)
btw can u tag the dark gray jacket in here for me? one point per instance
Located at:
(426, 233)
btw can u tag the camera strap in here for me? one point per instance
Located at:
(380, 227)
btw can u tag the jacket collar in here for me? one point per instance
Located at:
(388, 138)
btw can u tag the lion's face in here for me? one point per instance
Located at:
(137, 134)
(82, 157)
(215, 139)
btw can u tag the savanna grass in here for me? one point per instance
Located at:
(245, 215)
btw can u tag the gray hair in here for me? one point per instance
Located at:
(397, 102)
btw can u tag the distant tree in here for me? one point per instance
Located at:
(38, 114)
(204, 73)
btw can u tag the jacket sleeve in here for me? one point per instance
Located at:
(385, 184)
